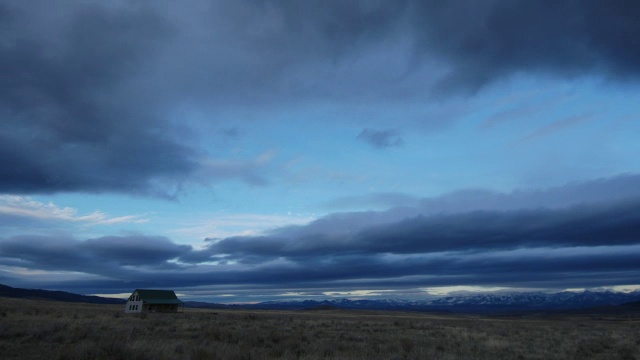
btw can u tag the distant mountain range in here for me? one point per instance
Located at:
(477, 303)
(485, 302)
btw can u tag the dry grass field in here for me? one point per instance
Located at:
(52, 330)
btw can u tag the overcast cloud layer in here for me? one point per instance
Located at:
(131, 103)
(89, 88)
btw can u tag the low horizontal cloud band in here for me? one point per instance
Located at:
(530, 247)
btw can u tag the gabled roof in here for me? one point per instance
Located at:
(158, 296)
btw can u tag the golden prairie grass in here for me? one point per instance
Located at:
(52, 330)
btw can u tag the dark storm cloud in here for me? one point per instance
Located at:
(545, 267)
(483, 41)
(486, 40)
(134, 250)
(381, 139)
(68, 121)
(105, 256)
(610, 224)
(90, 90)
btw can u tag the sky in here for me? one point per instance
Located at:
(244, 151)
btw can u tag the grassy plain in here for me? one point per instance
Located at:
(32, 329)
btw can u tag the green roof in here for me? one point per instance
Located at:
(158, 296)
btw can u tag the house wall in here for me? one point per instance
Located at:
(161, 307)
(134, 304)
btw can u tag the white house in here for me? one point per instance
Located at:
(152, 301)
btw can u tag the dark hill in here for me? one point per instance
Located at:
(37, 294)
(634, 304)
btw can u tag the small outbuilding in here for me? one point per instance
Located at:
(143, 300)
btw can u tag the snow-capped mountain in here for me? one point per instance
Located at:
(493, 302)
(540, 300)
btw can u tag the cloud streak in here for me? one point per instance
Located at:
(557, 126)
(23, 211)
